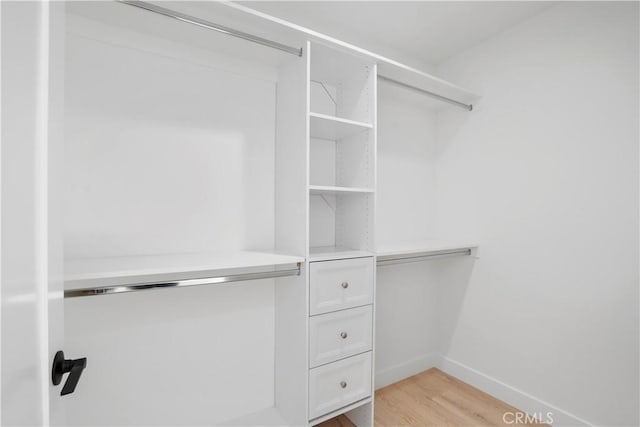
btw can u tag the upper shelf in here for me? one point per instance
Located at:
(334, 128)
(245, 19)
(84, 272)
(387, 67)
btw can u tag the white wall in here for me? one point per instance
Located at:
(406, 187)
(168, 150)
(195, 356)
(544, 175)
(163, 154)
(23, 332)
(406, 328)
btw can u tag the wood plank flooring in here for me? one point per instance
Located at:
(433, 398)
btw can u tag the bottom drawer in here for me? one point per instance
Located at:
(339, 384)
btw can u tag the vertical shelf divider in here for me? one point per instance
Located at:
(291, 231)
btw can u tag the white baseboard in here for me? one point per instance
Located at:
(508, 394)
(404, 370)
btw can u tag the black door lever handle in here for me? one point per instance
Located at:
(61, 366)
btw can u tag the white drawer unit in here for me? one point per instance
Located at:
(336, 285)
(334, 336)
(339, 384)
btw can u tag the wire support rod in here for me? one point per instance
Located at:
(212, 26)
(468, 107)
(416, 257)
(186, 283)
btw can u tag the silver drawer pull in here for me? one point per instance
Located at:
(344, 285)
(343, 335)
(343, 384)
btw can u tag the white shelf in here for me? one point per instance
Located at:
(86, 272)
(327, 253)
(335, 128)
(426, 247)
(327, 189)
(387, 67)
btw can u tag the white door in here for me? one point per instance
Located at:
(31, 252)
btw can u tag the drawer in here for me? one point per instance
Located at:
(336, 285)
(339, 384)
(334, 336)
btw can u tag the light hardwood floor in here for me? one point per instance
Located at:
(433, 398)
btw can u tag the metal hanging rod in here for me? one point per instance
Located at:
(212, 26)
(401, 259)
(426, 92)
(119, 289)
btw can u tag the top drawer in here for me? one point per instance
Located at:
(336, 285)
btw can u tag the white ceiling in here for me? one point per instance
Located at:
(423, 33)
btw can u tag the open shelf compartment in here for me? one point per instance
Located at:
(343, 221)
(341, 85)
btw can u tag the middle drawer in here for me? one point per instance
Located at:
(340, 334)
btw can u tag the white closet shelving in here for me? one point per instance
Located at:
(387, 67)
(169, 177)
(342, 147)
(287, 162)
(341, 152)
